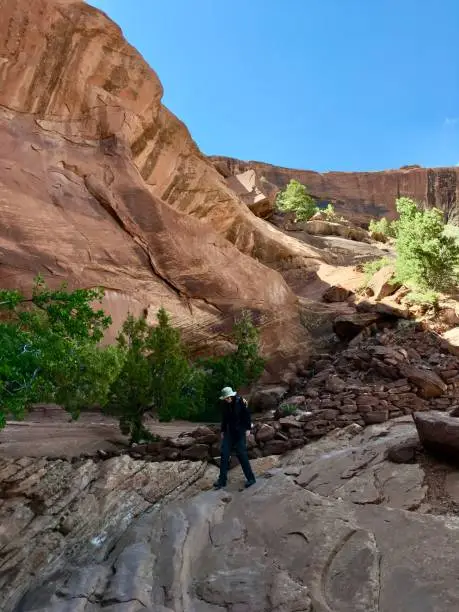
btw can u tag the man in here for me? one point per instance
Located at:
(236, 425)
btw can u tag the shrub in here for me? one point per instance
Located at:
(427, 258)
(330, 213)
(173, 392)
(384, 227)
(131, 392)
(239, 369)
(426, 299)
(49, 350)
(452, 231)
(156, 376)
(286, 409)
(295, 198)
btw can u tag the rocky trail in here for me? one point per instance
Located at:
(349, 512)
(336, 526)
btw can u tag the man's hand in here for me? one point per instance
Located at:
(222, 435)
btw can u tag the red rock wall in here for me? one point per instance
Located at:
(102, 185)
(361, 195)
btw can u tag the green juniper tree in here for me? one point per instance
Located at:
(295, 198)
(427, 258)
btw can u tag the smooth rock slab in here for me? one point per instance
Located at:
(438, 433)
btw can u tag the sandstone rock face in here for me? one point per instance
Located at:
(335, 528)
(54, 511)
(102, 185)
(360, 195)
(327, 228)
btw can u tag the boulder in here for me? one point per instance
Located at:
(404, 451)
(375, 416)
(276, 447)
(347, 327)
(382, 283)
(451, 341)
(428, 382)
(267, 398)
(335, 384)
(438, 433)
(319, 227)
(197, 452)
(265, 433)
(336, 293)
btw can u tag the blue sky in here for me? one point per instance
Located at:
(316, 84)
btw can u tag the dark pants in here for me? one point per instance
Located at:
(236, 443)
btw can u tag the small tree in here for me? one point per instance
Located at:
(426, 257)
(239, 369)
(172, 377)
(49, 350)
(131, 392)
(330, 213)
(156, 376)
(295, 198)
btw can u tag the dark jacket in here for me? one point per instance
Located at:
(236, 417)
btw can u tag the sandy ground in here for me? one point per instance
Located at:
(50, 432)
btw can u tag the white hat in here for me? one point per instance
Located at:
(227, 392)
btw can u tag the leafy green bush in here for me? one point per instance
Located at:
(239, 369)
(49, 350)
(330, 213)
(427, 258)
(295, 198)
(428, 299)
(384, 227)
(286, 409)
(156, 376)
(452, 231)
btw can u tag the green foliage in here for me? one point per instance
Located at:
(156, 376)
(452, 231)
(330, 213)
(428, 299)
(49, 350)
(295, 198)
(371, 267)
(383, 227)
(131, 393)
(286, 409)
(172, 375)
(427, 257)
(239, 369)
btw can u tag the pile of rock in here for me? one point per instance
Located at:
(394, 373)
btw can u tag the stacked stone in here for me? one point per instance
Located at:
(387, 376)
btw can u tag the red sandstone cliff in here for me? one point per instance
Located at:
(102, 185)
(361, 195)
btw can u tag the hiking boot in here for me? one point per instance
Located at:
(218, 485)
(249, 483)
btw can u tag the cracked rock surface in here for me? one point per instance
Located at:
(333, 527)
